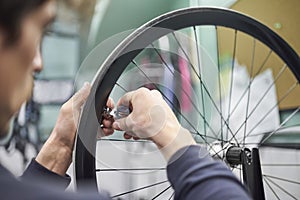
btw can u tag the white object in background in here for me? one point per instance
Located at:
(218, 3)
(52, 91)
(257, 111)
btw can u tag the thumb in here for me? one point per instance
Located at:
(122, 124)
(125, 124)
(80, 97)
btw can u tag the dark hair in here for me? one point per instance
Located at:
(11, 14)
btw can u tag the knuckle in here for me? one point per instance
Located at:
(143, 91)
(65, 108)
(156, 93)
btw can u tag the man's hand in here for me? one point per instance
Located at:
(56, 154)
(152, 118)
(107, 120)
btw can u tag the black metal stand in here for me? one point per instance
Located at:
(252, 173)
(250, 162)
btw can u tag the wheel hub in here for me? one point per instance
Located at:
(231, 153)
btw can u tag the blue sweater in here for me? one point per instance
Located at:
(192, 173)
(195, 175)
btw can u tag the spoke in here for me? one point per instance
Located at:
(208, 93)
(210, 137)
(266, 92)
(281, 165)
(161, 192)
(217, 153)
(268, 133)
(249, 91)
(282, 189)
(148, 141)
(156, 87)
(249, 143)
(260, 100)
(192, 126)
(245, 91)
(223, 149)
(125, 140)
(192, 102)
(237, 168)
(171, 196)
(238, 172)
(282, 179)
(284, 122)
(263, 64)
(241, 175)
(231, 79)
(267, 182)
(269, 112)
(219, 80)
(130, 169)
(138, 189)
(201, 84)
(121, 87)
(220, 113)
(195, 71)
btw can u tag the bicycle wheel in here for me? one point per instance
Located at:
(192, 56)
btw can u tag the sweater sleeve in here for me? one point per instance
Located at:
(29, 189)
(38, 173)
(38, 182)
(195, 175)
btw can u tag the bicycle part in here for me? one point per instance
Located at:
(212, 105)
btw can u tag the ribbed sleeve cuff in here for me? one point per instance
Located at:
(37, 172)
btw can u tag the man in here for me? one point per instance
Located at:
(22, 23)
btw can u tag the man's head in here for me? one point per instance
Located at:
(22, 23)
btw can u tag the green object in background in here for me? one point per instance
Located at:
(126, 15)
(289, 135)
(293, 121)
(49, 115)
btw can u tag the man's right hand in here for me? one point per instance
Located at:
(152, 118)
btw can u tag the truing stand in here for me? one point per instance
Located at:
(250, 162)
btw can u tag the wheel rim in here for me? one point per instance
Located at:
(117, 62)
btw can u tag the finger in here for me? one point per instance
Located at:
(127, 136)
(116, 126)
(110, 103)
(156, 93)
(124, 124)
(126, 99)
(107, 123)
(108, 131)
(136, 138)
(80, 97)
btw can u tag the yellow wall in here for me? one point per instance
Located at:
(269, 12)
